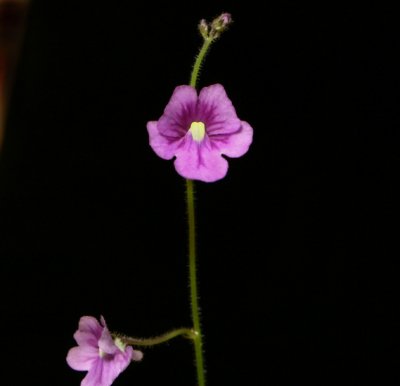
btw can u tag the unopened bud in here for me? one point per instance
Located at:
(213, 30)
(204, 28)
(221, 23)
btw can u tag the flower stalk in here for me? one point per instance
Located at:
(194, 297)
(148, 342)
(199, 60)
(209, 33)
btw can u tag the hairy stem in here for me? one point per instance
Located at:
(185, 332)
(199, 60)
(194, 298)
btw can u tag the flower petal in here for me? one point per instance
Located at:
(178, 113)
(103, 321)
(237, 144)
(94, 376)
(164, 146)
(89, 331)
(217, 110)
(106, 342)
(82, 358)
(106, 371)
(200, 161)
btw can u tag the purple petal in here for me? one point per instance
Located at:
(164, 146)
(82, 358)
(217, 111)
(106, 342)
(103, 321)
(237, 144)
(95, 376)
(106, 371)
(200, 161)
(179, 113)
(89, 331)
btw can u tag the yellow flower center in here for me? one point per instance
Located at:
(198, 131)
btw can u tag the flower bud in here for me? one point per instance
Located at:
(204, 28)
(221, 23)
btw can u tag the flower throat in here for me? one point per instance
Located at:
(198, 131)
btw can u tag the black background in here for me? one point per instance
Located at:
(298, 245)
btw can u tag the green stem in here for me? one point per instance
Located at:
(194, 298)
(199, 60)
(186, 332)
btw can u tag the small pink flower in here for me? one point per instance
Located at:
(198, 130)
(98, 354)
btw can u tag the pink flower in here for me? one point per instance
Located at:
(98, 354)
(198, 130)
